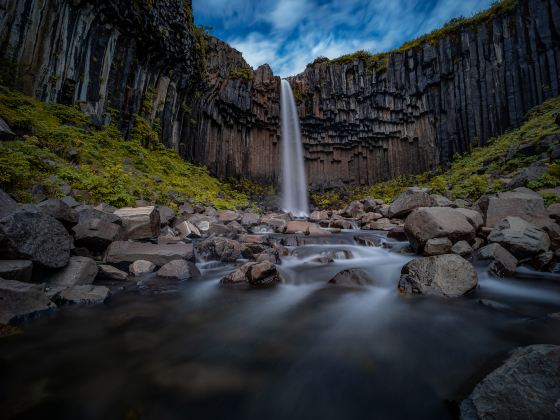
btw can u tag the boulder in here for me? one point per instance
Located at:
(21, 301)
(553, 210)
(79, 271)
(7, 204)
(503, 264)
(96, 234)
(525, 386)
(219, 249)
(32, 235)
(397, 233)
(521, 203)
(71, 201)
(20, 270)
(381, 224)
(444, 275)
(141, 267)
(352, 277)
(236, 228)
(6, 132)
(440, 201)
(371, 204)
(462, 248)
(140, 222)
(228, 216)
(412, 198)
(60, 211)
(123, 253)
(254, 239)
(187, 230)
(166, 215)
(262, 273)
(250, 219)
(317, 216)
(437, 246)
(86, 213)
(437, 222)
(474, 217)
(305, 228)
(83, 295)
(354, 210)
(179, 270)
(520, 237)
(111, 273)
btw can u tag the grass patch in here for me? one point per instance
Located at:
(60, 146)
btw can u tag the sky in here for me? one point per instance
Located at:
(289, 34)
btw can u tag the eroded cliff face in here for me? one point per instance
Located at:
(132, 56)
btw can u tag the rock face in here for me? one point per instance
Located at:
(526, 386)
(30, 234)
(445, 275)
(21, 301)
(140, 222)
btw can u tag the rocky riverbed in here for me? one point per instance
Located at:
(352, 311)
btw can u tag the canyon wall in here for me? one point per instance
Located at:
(132, 56)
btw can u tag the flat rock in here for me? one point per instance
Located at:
(526, 386)
(79, 271)
(96, 234)
(125, 253)
(179, 270)
(520, 237)
(111, 273)
(21, 301)
(444, 275)
(412, 198)
(140, 222)
(20, 270)
(141, 267)
(425, 223)
(352, 277)
(83, 295)
(32, 235)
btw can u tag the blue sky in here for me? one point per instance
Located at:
(288, 34)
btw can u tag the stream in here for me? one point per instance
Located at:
(302, 350)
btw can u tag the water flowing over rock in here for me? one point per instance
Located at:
(294, 180)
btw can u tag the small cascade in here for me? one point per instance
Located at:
(294, 180)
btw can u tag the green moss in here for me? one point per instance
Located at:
(373, 62)
(105, 165)
(242, 73)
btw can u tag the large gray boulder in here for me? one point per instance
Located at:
(426, 223)
(85, 295)
(522, 203)
(86, 213)
(520, 237)
(140, 222)
(444, 275)
(503, 264)
(123, 253)
(79, 271)
(437, 246)
(412, 198)
(179, 270)
(219, 249)
(473, 216)
(95, 234)
(20, 301)
(7, 204)
(20, 270)
(60, 211)
(29, 234)
(526, 386)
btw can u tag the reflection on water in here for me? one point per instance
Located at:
(302, 350)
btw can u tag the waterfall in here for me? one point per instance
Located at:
(294, 181)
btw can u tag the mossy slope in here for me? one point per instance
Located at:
(59, 146)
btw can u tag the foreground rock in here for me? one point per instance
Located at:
(60, 211)
(503, 264)
(32, 235)
(520, 237)
(20, 301)
(522, 203)
(219, 249)
(140, 222)
(262, 273)
(352, 277)
(84, 295)
(179, 270)
(444, 275)
(79, 271)
(95, 234)
(20, 270)
(123, 253)
(437, 222)
(526, 386)
(409, 200)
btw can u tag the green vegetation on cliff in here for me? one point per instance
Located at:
(484, 170)
(59, 146)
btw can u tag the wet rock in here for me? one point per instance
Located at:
(166, 215)
(254, 273)
(341, 224)
(444, 275)
(250, 219)
(437, 222)
(95, 234)
(187, 230)
(317, 216)
(437, 246)
(228, 216)
(520, 237)
(60, 211)
(219, 249)
(254, 239)
(526, 386)
(352, 277)
(6, 132)
(19, 270)
(82, 295)
(462, 248)
(397, 233)
(367, 240)
(410, 199)
(123, 253)
(381, 224)
(370, 217)
(477, 243)
(305, 228)
(521, 203)
(29, 234)
(141, 267)
(111, 273)
(79, 271)
(140, 222)
(86, 213)
(354, 210)
(504, 264)
(543, 260)
(21, 301)
(7, 204)
(178, 270)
